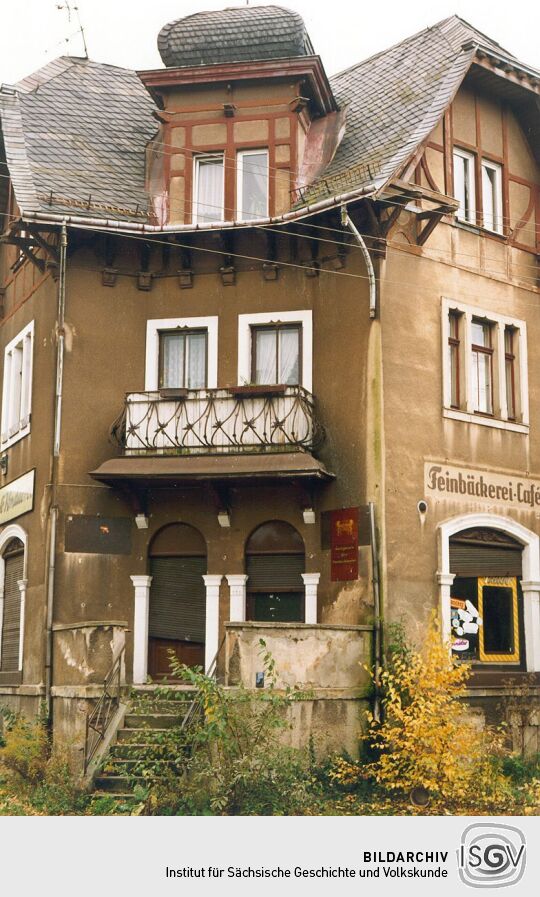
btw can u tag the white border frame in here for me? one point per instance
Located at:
(500, 321)
(13, 531)
(28, 373)
(153, 328)
(240, 155)
(246, 322)
(498, 211)
(206, 157)
(465, 154)
(530, 573)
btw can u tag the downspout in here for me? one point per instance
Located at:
(346, 221)
(53, 513)
(377, 647)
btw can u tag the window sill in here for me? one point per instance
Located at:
(478, 229)
(20, 434)
(453, 414)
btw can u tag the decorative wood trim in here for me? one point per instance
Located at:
(448, 149)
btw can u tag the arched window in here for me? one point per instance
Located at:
(13, 567)
(177, 598)
(275, 561)
(486, 604)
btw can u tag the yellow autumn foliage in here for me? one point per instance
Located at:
(426, 737)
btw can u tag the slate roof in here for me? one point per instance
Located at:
(394, 101)
(75, 135)
(234, 35)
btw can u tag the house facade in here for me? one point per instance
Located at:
(268, 366)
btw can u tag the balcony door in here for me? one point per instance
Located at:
(177, 598)
(275, 561)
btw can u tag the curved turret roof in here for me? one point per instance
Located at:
(239, 34)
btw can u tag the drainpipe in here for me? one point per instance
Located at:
(346, 221)
(377, 648)
(53, 513)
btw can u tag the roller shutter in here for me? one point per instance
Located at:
(275, 572)
(482, 560)
(178, 598)
(11, 622)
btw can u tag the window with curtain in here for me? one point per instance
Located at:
(482, 367)
(252, 184)
(182, 359)
(208, 194)
(276, 354)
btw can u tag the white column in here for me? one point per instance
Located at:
(311, 582)
(531, 619)
(141, 584)
(445, 581)
(237, 604)
(212, 582)
(22, 583)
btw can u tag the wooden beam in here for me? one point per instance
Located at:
(428, 229)
(43, 244)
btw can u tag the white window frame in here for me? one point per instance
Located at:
(14, 531)
(245, 324)
(496, 226)
(197, 160)
(13, 429)
(470, 157)
(499, 420)
(240, 156)
(156, 325)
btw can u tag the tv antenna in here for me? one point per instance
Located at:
(70, 9)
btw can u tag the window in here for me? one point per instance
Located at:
(17, 388)
(181, 353)
(252, 184)
(492, 196)
(208, 192)
(484, 368)
(276, 354)
(182, 359)
(464, 185)
(276, 348)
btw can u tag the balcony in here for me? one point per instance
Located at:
(244, 419)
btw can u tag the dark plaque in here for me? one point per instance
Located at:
(344, 544)
(98, 535)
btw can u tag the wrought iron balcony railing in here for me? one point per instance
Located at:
(203, 421)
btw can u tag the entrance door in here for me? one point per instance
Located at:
(11, 621)
(177, 599)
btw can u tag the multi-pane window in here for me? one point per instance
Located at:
(182, 359)
(482, 367)
(252, 184)
(17, 387)
(454, 342)
(510, 371)
(464, 187)
(276, 353)
(492, 206)
(208, 191)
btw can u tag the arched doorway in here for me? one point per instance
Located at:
(12, 555)
(486, 603)
(177, 598)
(275, 561)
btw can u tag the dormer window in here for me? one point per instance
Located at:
(252, 184)
(208, 190)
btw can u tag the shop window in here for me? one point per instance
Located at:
(484, 368)
(486, 603)
(208, 191)
(252, 184)
(17, 387)
(183, 359)
(275, 561)
(276, 354)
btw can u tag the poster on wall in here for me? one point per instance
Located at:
(17, 497)
(344, 544)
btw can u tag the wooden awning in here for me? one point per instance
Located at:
(193, 468)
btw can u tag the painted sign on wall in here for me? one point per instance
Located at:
(17, 497)
(449, 483)
(344, 544)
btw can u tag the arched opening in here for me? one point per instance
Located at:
(275, 561)
(486, 602)
(11, 618)
(177, 560)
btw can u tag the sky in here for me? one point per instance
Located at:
(123, 32)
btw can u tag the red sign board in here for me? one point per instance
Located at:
(344, 544)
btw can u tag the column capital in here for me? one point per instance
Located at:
(141, 582)
(236, 579)
(445, 579)
(212, 579)
(311, 579)
(22, 583)
(530, 585)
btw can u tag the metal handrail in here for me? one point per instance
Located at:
(99, 720)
